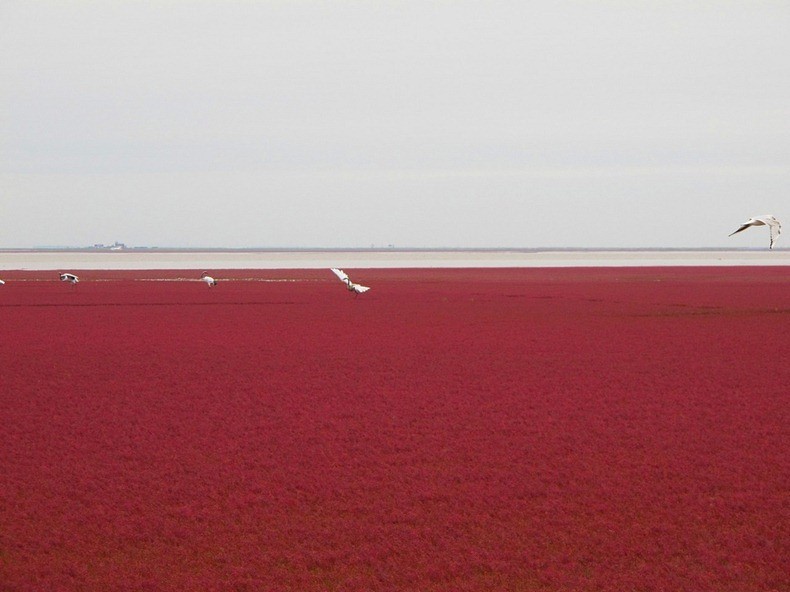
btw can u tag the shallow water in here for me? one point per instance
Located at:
(44, 260)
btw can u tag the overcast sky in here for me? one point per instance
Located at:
(541, 123)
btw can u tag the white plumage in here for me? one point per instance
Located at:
(773, 225)
(350, 286)
(2, 283)
(69, 277)
(210, 281)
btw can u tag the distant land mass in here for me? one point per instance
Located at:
(120, 247)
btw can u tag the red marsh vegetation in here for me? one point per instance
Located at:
(502, 429)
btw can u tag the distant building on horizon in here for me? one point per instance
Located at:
(116, 246)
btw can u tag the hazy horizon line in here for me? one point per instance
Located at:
(405, 249)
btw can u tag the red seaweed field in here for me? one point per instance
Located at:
(599, 429)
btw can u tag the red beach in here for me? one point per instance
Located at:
(452, 429)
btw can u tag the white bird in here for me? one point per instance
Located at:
(210, 281)
(69, 277)
(351, 286)
(2, 283)
(767, 220)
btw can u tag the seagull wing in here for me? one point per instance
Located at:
(340, 274)
(742, 228)
(359, 289)
(773, 224)
(775, 227)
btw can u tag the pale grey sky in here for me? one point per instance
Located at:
(543, 123)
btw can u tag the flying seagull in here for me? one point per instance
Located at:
(210, 281)
(351, 286)
(69, 277)
(767, 220)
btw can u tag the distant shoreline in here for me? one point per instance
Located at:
(142, 250)
(92, 258)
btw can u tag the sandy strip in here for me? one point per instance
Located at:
(64, 260)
